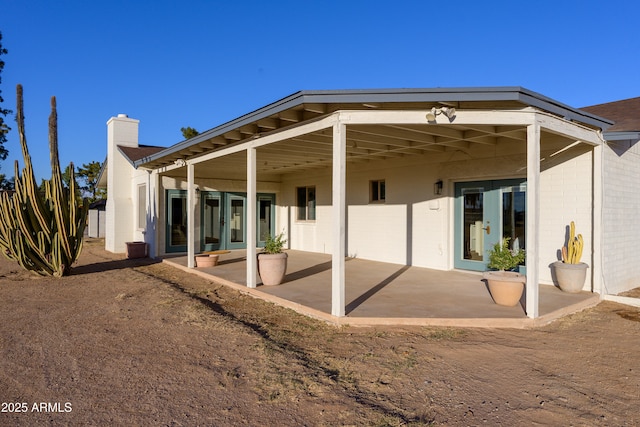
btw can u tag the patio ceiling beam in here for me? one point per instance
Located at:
(316, 108)
(480, 137)
(283, 154)
(396, 137)
(361, 147)
(269, 124)
(234, 135)
(260, 141)
(291, 116)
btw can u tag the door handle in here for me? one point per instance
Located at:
(488, 228)
(222, 221)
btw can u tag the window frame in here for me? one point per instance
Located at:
(380, 188)
(141, 220)
(305, 207)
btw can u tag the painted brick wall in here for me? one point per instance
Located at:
(621, 205)
(565, 196)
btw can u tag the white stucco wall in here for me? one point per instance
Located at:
(621, 205)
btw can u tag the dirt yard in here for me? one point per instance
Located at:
(130, 342)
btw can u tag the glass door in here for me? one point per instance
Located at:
(485, 212)
(212, 221)
(236, 220)
(266, 217)
(176, 230)
(224, 219)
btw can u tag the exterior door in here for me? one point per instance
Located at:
(235, 221)
(266, 217)
(486, 212)
(224, 219)
(212, 221)
(176, 230)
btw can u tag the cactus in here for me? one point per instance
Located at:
(42, 232)
(572, 253)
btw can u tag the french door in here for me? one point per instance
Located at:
(224, 219)
(176, 230)
(485, 212)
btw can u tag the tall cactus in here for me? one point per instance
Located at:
(572, 253)
(42, 232)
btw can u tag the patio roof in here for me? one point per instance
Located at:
(390, 294)
(366, 142)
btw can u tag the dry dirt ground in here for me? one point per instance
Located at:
(130, 342)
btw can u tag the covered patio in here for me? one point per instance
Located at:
(383, 176)
(380, 293)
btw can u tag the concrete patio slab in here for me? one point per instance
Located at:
(390, 294)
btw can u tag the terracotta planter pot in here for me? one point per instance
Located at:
(506, 287)
(206, 260)
(136, 250)
(570, 277)
(272, 268)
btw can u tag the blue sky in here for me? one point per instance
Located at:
(172, 64)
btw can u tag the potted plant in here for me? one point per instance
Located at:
(506, 286)
(570, 273)
(272, 262)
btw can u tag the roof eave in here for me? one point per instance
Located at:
(622, 136)
(461, 94)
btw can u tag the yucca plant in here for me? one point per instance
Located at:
(42, 232)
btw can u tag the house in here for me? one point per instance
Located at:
(421, 177)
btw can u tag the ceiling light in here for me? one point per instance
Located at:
(431, 115)
(450, 112)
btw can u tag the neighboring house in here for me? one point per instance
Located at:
(422, 177)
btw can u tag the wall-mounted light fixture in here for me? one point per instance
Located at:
(450, 112)
(437, 187)
(180, 162)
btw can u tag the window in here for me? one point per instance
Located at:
(377, 191)
(142, 206)
(306, 203)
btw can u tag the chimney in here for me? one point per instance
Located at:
(121, 131)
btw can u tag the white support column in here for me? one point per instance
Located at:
(155, 203)
(338, 217)
(251, 218)
(533, 219)
(191, 215)
(596, 261)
